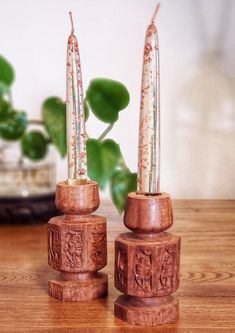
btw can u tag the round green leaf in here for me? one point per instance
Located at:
(106, 98)
(102, 159)
(7, 74)
(5, 109)
(122, 182)
(12, 124)
(54, 117)
(34, 145)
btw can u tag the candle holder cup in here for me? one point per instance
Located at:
(147, 262)
(77, 244)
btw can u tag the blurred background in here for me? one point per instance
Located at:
(197, 49)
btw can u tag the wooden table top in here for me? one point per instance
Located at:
(206, 293)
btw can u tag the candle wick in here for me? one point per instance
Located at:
(71, 19)
(155, 13)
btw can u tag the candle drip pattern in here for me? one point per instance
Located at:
(149, 126)
(75, 117)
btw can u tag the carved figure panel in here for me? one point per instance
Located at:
(121, 267)
(54, 256)
(73, 249)
(169, 272)
(143, 270)
(98, 246)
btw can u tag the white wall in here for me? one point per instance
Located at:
(197, 89)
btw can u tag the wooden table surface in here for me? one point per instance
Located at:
(206, 293)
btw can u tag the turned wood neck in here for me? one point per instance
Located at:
(66, 276)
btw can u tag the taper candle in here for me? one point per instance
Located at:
(149, 125)
(75, 116)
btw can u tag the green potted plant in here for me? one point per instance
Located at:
(105, 98)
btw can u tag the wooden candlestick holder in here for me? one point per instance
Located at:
(77, 244)
(147, 262)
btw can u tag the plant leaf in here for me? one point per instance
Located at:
(106, 98)
(122, 182)
(4, 89)
(7, 74)
(54, 117)
(12, 124)
(34, 145)
(111, 154)
(94, 160)
(5, 109)
(102, 159)
(86, 109)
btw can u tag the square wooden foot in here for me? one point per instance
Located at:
(147, 311)
(83, 290)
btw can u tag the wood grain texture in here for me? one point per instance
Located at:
(147, 267)
(148, 213)
(147, 262)
(77, 245)
(207, 284)
(77, 199)
(147, 311)
(82, 289)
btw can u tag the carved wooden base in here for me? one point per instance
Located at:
(81, 289)
(147, 311)
(147, 266)
(147, 262)
(77, 244)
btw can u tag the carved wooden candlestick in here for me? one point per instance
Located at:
(147, 262)
(77, 244)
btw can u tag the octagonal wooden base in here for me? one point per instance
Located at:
(80, 290)
(77, 244)
(147, 262)
(147, 265)
(147, 311)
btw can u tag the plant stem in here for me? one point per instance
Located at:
(36, 122)
(10, 97)
(106, 131)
